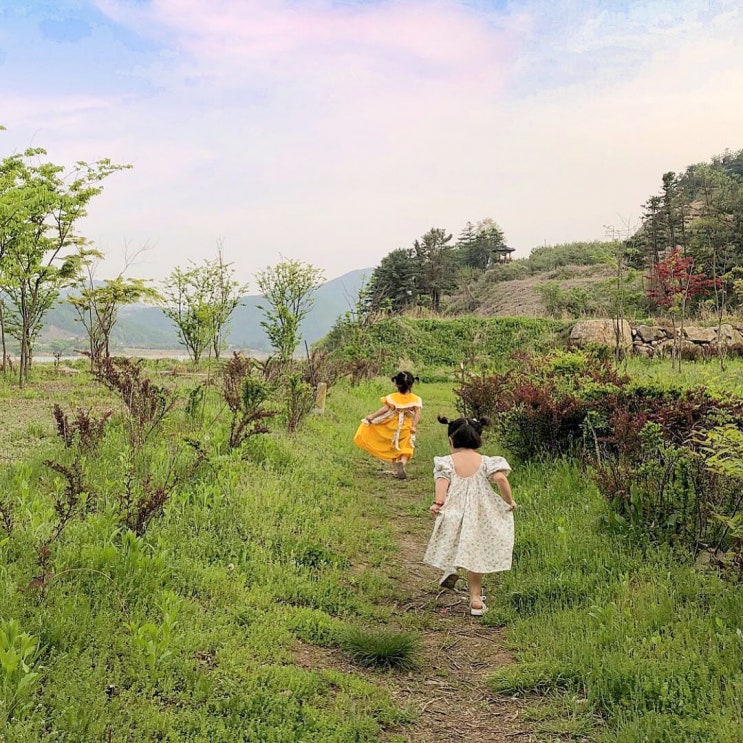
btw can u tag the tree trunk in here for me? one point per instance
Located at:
(2, 339)
(91, 333)
(22, 370)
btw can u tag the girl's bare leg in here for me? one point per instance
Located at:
(400, 468)
(474, 581)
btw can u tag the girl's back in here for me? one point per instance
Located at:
(466, 462)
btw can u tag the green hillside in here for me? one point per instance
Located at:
(697, 212)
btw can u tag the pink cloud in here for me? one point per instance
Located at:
(414, 39)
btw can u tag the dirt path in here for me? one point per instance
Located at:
(459, 653)
(449, 688)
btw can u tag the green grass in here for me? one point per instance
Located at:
(693, 374)
(189, 631)
(381, 648)
(640, 636)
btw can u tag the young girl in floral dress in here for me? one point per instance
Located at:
(474, 525)
(389, 433)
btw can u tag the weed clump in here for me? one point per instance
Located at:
(385, 649)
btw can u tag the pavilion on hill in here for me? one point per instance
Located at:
(502, 254)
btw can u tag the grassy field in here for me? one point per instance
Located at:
(229, 617)
(693, 374)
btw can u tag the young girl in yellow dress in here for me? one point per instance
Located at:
(389, 433)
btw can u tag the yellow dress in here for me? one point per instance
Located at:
(388, 436)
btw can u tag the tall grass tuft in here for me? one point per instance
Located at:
(386, 649)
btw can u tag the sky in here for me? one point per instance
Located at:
(336, 131)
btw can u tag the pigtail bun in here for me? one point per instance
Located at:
(442, 419)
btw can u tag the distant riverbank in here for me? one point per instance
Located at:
(147, 353)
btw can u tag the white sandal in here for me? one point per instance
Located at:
(478, 612)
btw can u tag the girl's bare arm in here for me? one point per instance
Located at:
(416, 418)
(379, 412)
(442, 488)
(504, 488)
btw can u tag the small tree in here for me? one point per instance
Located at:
(617, 296)
(672, 284)
(97, 307)
(288, 289)
(200, 300)
(40, 206)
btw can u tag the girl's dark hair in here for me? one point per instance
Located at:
(404, 381)
(465, 433)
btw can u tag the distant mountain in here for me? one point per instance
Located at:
(332, 300)
(143, 326)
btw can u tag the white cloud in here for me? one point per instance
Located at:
(337, 134)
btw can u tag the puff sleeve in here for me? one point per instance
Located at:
(496, 464)
(442, 468)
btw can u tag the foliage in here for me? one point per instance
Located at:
(636, 643)
(256, 552)
(598, 299)
(550, 258)
(700, 211)
(288, 289)
(188, 629)
(155, 641)
(641, 441)
(722, 448)
(148, 477)
(323, 366)
(435, 261)
(539, 405)
(19, 652)
(353, 341)
(477, 246)
(200, 300)
(393, 285)
(674, 282)
(424, 273)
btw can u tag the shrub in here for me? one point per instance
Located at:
(84, 429)
(539, 406)
(147, 403)
(245, 394)
(643, 443)
(648, 462)
(300, 399)
(434, 342)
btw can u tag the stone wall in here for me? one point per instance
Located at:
(657, 340)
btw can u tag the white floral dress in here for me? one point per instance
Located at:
(474, 528)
